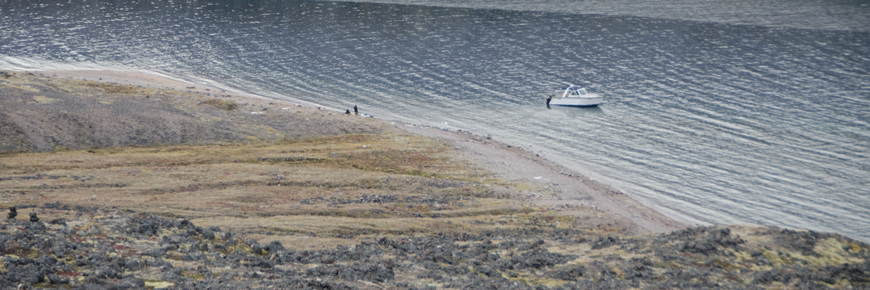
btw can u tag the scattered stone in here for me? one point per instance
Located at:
(55, 279)
(131, 283)
(113, 254)
(94, 230)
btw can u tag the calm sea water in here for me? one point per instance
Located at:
(741, 112)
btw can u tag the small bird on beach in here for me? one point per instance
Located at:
(33, 217)
(12, 213)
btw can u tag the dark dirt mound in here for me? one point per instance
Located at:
(41, 114)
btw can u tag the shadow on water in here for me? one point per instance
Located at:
(576, 112)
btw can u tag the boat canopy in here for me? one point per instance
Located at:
(573, 90)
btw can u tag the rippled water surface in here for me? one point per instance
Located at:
(739, 112)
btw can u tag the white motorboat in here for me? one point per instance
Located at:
(574, 96)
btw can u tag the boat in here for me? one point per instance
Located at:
(574, 96)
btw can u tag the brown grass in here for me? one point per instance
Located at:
(222, 104)
(329, 189)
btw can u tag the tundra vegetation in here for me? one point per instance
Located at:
(258, 202)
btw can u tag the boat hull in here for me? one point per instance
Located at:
(576, 102)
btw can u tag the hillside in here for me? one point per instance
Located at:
(192, 190)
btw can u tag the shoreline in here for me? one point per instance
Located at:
(163, 189)
(570, 189)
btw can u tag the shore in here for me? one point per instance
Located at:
(571, 189)
(140, 181)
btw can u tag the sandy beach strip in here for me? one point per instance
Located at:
(571, 189)
(154, 80)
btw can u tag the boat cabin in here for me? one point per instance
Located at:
(574, 92)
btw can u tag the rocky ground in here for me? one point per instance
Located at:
(98, 248)
(200, 190)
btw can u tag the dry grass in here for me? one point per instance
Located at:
(223, 104)
(317, 191)
(316, 177)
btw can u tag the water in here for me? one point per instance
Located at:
(746, 112)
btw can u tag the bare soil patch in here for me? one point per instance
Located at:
(40, 113)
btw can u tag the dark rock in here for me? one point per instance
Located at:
(133, 265)
(56, 205)
(169, 247)
(159, 263)
(27, 273)
(12, 213)
(155, 253)
(94, 230)
(58, 221)
(131, 283)
(706, 240)
(260, 262)
(106, 273)
(170, 276)
(55, 279)
(604, 242)
(274, 247)
(369, 271)
(700, 247)
(96, 285)
(540, 258)
(46, 260)
(569, 273)
(695, 258)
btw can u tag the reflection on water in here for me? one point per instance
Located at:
(711, 122)
(577, 112)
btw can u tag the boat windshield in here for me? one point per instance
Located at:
(577, 91)
(573, 91)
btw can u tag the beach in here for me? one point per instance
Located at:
(511, 163)
(196, 184)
